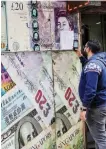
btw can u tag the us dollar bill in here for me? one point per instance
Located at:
(29, 131)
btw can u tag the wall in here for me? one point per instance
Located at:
(39, 85)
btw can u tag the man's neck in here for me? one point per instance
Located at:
(90, 55)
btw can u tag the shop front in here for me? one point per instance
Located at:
(92, 20)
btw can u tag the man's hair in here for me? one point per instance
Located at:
(94, 45)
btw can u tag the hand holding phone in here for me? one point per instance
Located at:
(78, 52)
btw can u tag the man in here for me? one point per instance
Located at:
(92, 92)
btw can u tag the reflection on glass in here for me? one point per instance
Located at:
(34, 12)
(35, 25)
(36, 47)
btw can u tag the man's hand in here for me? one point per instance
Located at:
(78, 52)
(83, 115)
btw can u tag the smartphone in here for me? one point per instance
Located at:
(75, 44)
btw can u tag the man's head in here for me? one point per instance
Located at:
(92, 47)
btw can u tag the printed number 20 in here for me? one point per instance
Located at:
(69, 95)
(17, 6)
(41, 100)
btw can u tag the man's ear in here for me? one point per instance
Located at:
(89, 50)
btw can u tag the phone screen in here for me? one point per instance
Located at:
(75, 46)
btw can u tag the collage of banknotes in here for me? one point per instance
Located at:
(37, 26)
(39, 82)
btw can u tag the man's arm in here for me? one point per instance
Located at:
(83, 60)
(92, 72)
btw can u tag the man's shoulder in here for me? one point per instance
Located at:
(93, 66)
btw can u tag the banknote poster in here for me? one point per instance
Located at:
(66, 29)
(30, 103)
(29, 132)
(23, 126)
(13, 105)
(18, 18)
(47, 22)
(45, 140)
(73, 139)
(45, 18)
(3, 27)
(32, 72)
(40, 105)
(66, 70)
(33, 20)
(40, 24)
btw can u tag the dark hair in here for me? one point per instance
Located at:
(94, 46)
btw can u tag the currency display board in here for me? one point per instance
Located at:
(40, 105)
(38, 26)
(39, 91)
